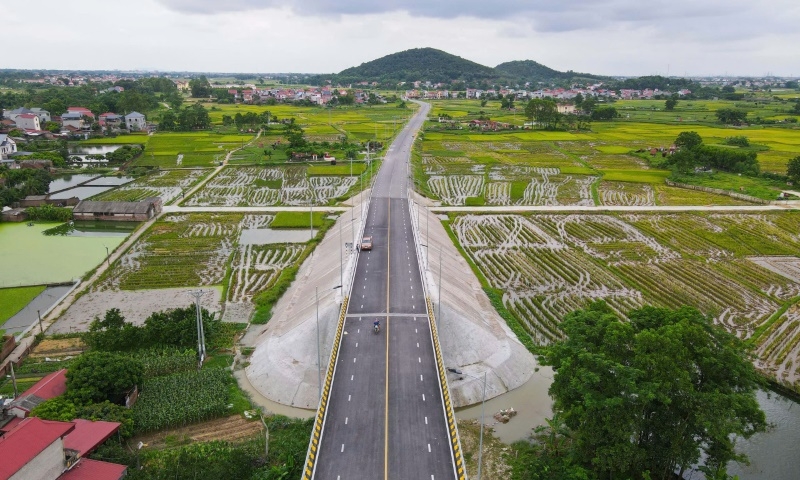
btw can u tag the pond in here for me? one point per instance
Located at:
(30, 258)
(69, 181)
(80, 192)
(83, 150)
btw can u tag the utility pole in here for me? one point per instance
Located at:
(341, 254)
(14, 379)
(201, 339)
(39, 314)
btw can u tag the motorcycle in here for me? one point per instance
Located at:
(376, 328)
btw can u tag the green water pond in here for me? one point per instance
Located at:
(27, 257)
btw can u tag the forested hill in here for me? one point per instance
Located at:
(521, 71)
(427, 64)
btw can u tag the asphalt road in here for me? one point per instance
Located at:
(385, 415)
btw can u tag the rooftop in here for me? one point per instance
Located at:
(27, 440)
(51, 386)
(88, 469)
(141, 207)
(89, 434)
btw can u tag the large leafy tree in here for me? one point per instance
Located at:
(544, 112)
(793, 170)
(99, 376)
(649, 397)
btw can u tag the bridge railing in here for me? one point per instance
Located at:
(319, 421)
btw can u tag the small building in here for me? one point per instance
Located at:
(51, 386)
(14, 215)
(110, 120)
(118, 211)
(7, 145)
(38, 449)
(39, 200)
(28, 121)
(83, 111)
(34, 449)
(73, 119)
(135, 121)
(44, 115)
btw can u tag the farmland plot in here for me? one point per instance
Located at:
(742, 269)
(454, 189)
(620, 193)
(167, 184)
(259, 186)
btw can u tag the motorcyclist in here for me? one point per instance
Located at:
(376, 326)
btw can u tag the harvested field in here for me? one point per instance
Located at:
(229, 429)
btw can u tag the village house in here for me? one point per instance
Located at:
(135, 121)
(50, 386)
(28, 121)
(51, 450)
(7, 146)
(110, 120)
(74, 120)
(182, 85)
(81, 110)
(118, 211)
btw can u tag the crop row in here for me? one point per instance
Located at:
(618, 193)
(181, 399)
(256, 267)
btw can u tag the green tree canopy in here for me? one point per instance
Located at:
(688, 140)
(670, 103)
(731, 116)
(200, 87)
(793, 170)
(653, 394)
(60, 408)
(99, 376)
(543, 111)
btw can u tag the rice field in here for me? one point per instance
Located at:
(170, 185)
(742, 269)
(267, 186)
(607, 150)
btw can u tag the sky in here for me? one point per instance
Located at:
(604, 37)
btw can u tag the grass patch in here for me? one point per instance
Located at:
(341, 169)
(12, 300)
(297, 220)
(274, 184)
(475, 201)
(613, 149)
(518, 190)
(636, 176)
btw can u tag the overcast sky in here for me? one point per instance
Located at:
(609, 37)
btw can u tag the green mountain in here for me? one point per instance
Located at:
(521, 71)
(418, 64)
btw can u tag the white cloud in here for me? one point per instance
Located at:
(622, 37)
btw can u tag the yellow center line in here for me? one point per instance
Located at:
(386, 410)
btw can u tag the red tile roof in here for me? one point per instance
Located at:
(26, 441)
(88, 469)
(87, 435)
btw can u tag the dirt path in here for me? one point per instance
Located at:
(229, 429)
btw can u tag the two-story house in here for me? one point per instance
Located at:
(135, 121)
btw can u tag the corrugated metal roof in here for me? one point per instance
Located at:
(88, 434)
(121, 208)
(88, 469)
(26, 441)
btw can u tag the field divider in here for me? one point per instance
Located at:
(310, 466)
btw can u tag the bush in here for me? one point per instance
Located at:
(99, 376)
(49, 213)
(738, 141)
